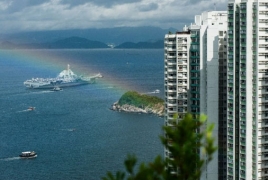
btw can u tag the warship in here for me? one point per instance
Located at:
(65, 79)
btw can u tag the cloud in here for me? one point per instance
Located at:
(5, 5)
(148, 7)
(104, 3)
(28, 15)
(15, 5)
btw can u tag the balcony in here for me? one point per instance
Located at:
(171, 77)
(170, 56)
(172, 104)
(182, 76)
(169, 49)
(182, 90)
(194, 50)
(171, 70)
(195, 77)
(182, 84)
(172, 90)
(263, 132)
(172, 63)
(171, 83)
(194, 35)
(183, 62)
(182, 70)
(242, 143)
(171, 110)
(170, 42)
(182, 42)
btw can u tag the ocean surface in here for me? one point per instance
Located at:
(73, 131)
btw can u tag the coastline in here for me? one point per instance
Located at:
(158, 110)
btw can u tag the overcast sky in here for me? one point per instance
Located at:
(30, 15)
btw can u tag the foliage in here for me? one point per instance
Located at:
(184, 144)
(139, 100)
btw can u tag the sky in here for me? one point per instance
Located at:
(35, 15)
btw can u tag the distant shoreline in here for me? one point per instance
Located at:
(81, 43)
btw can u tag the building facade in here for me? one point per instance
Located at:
(247, 111)
(195, 80)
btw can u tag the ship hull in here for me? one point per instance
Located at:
(33, 85)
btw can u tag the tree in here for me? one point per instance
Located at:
(184, 144)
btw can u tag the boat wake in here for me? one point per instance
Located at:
(10, 159)
(41, 92)
(27, 110)
(68, 130)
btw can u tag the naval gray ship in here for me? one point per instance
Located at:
(65, 79)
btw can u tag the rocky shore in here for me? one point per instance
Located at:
(156, 110)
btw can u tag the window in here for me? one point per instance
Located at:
(195, 47)
(243, 14)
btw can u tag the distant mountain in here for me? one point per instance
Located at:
(68, 43)
(142, 45)
(77, 42)
(114, 36)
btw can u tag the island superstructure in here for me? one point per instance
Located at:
(65, 79)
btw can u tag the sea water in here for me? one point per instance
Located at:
(74, 133)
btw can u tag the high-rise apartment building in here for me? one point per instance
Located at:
(247, 111)
(195, 80)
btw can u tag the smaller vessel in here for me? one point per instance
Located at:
(31, 108)
(28, 154)
(56, 89)
(157, 91)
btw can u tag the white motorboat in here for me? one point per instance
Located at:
(28, 154)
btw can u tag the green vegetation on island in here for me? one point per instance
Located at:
(133, 101)
(139, 100)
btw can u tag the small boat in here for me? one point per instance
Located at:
(56, 89)
(31, 108)
(157, 91)
(28, 154)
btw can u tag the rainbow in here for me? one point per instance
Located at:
(44, 60)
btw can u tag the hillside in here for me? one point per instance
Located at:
(142, 45)
(77, 42)
(132, 101)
